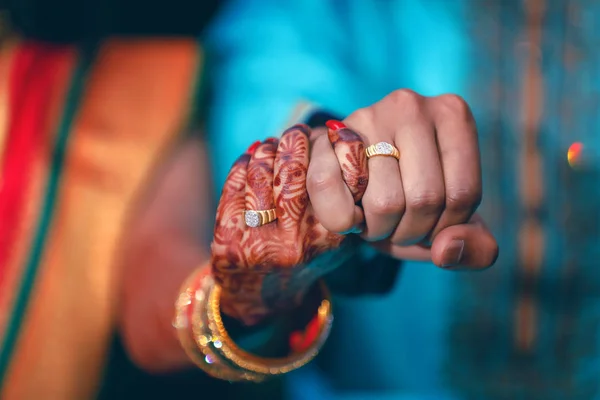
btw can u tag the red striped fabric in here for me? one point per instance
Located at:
(32, 77)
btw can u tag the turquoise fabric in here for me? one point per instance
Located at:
(442, 335)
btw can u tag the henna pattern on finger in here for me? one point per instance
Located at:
(259, 180)
(350, 151)
(290, 179)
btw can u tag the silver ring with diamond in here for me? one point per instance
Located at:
(256, 218)
(382, 149)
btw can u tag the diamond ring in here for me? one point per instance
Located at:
(256, 218)
(382, 149)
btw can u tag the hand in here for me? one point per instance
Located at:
(427, 197)
(269, 268)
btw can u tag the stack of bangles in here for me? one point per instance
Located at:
(205, 340)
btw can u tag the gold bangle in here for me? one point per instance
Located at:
(193, 290)
(205, 340)
(267, 366)
(208, 343)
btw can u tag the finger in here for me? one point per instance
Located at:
(330, 197)
(259, 178)
(229, 224)
(422, 179)
(289, 185)
(460, 159)
(350, 151)
(259, 196)
(466, 246)
(414, 252)
(383, 201)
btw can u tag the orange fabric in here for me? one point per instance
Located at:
(136, 103)
(44, 70)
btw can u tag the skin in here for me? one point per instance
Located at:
(267, 269)
(162, 246)
(422, 206)
(419, 208)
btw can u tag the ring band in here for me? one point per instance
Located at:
(256, 218)
(382, 149)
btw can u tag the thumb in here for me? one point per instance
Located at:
(468, 246)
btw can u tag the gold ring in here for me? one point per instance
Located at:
(256, 218)
(382, 149)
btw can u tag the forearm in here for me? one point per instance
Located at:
(150, 290)
(165, 241)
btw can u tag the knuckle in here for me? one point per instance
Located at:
(294, 141)
(266, 150)
(384, 205)
(406, 100)
(319, 181)
(452, 105)
(463, 199)
(426, 202)
(291, 171)
(361, 117)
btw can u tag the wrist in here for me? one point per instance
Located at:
(253, 298)
(264, 297)
(149, 290)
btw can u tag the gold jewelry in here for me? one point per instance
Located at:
(256, 218)
(267, 366)
(205, 340)
(208, 343)
(382, 149)
(192, 294)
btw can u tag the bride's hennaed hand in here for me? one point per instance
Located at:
(266, 261)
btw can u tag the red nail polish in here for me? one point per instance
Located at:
(271, 140)
(253, 147)
(335, 125)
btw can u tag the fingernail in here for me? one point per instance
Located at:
(454, 253)
(271, 140)
(335, 125)
(253, 147)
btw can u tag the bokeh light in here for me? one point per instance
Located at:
(574, 154)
